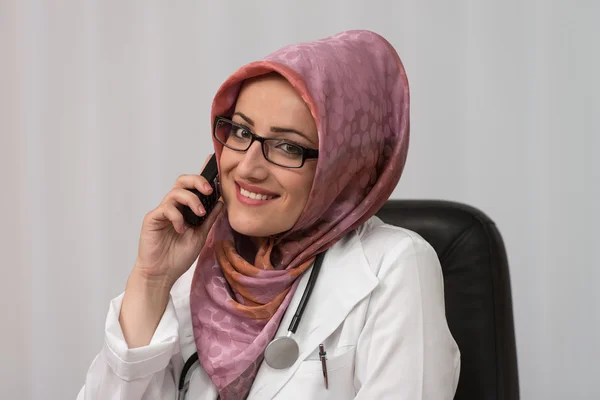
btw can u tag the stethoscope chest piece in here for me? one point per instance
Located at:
(282, 352)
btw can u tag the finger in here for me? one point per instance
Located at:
(182, 196)
(197, 182)
(171, 213)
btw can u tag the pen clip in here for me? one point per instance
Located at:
(322, 352)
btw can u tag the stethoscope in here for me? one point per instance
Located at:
(282, 352)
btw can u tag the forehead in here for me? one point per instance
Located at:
(270, 100)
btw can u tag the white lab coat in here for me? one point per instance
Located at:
(377, 306)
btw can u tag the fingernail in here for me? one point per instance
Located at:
(201, 210)
(207, 187)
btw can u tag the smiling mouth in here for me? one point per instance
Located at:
(254, 196)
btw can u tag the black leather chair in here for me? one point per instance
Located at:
(477, 291)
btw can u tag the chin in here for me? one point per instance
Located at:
(251, 227)
(246, 221)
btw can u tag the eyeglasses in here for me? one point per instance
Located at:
(277, 151)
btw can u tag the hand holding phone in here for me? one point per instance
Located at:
(168, 246)
(174, 233)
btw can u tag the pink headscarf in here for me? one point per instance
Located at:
(357, 91)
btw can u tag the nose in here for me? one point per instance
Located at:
(253, 165)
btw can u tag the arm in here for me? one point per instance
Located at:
(142, 329)
(142, 370)
(406, 350)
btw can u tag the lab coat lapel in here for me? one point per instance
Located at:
(344, 280)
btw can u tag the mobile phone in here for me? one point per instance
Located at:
(211, 174)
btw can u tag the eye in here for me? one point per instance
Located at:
(290, 149)
(240, 133)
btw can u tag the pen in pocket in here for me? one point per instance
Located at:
(323, 357)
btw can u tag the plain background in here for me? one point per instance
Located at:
(104, 103)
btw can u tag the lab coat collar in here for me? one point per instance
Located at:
(344, 280)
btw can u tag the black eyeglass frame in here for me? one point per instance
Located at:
(307, 154)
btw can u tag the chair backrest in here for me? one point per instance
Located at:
(477, 291)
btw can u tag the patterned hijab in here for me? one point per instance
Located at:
(357, 91)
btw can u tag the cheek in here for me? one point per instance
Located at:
(299, 189)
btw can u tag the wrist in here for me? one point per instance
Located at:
(140, 278)
(150, 295)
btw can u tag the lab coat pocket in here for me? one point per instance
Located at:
(308, 381)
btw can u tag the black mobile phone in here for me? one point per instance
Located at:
(211, 174)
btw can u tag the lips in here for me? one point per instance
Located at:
(256, 189)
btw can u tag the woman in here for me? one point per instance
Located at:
(336, 113)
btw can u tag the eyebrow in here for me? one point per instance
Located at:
(275, 129)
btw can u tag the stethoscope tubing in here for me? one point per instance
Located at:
(312, 279)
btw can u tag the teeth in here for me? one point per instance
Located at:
(254, 196)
